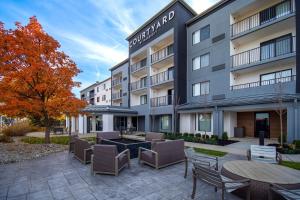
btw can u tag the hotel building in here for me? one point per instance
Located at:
(231, 69)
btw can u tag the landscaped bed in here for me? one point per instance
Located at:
(210, 152)
(198, 138)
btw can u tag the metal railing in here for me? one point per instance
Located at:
(161, 54)
(137, 66)
(262, 83)
(117, 81)
(287, 7)
(162, 101)
(162, 77)
(140, 84)
(265, 52)
(117, 95)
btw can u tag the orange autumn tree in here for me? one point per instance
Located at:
(36, 78)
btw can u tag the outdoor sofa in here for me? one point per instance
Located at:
(163, 154)
(83, 150)
(107, 136)
(107, 160)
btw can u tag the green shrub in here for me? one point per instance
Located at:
(224, 136)
(5, 139)
(64, 140)
(198, 135)
(185, 134)
(214, 137)
(284, 139)
(297, 144)
(197, 139)
(192, 135)
(19, 129)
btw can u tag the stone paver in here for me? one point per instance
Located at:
(60, 176)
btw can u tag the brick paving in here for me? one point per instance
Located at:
(60, 176)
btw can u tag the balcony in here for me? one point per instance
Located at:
(162, 101)
(139, 86)
(116, 96)
(264, 83)
(264, 18)
(162, 56)
(139, 68)
(278, 49)
(116, 82)
(162, 79)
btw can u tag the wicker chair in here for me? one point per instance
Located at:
(214, 178)
(163, 154)
(83, 150)
(106, 159)
(289, 194)
(107, 136)
(72, 142)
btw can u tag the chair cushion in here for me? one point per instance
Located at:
(291, 195)
(231, 186)
(148, 156)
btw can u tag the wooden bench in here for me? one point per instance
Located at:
(266, 154)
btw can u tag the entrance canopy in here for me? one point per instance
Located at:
(116, 110)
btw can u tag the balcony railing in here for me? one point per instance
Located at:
(117, 95)
(161, 54)
(280, 10)
(265, 82)
(138, 85)
(137, 66)
(162, 101)
(117, 81)
(265, 52)
(162, 77)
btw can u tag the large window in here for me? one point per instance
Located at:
(200, 61)
(103, 97)
(196, 37)
(204, 122)
(165, 122)
(201, 88)
(143, 82)
(276, 77)
(99, 123)
(205, 33)
(143, 99)
(275, 12)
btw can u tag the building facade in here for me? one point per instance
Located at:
(243, 70)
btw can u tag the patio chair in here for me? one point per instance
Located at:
(154, 137)
(83, 150)
(72, 142)
(106, 159)
(107, 136)
(289, 194)
(214, 178)
(196, 159)
(163, 154)
(266, 154)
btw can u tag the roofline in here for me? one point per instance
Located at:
(119, 64)
(208, 11)
(188, 7)
(94, 84)
(88, 87)
(100, 82)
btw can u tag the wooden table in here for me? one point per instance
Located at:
(261, 175)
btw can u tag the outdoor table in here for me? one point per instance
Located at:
(261, 175)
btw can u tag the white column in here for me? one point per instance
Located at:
(73, 124)
(108, 122)
(93, 123)
(80, 124)
(129, 122)
(230, 121)
(85, 124)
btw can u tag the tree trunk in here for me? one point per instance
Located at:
(47, 135)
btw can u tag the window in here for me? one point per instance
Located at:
(275, 12)
(200, 61)
(98, 99)
(143, 99)
(204, 122)
(143, 82)
(103, 97)
(97, 89)
(144, 62)
(205, 33)
(201, 88)
(99, 123)
(164, 122)
(104, 86)
(275, 77)
(196, 37)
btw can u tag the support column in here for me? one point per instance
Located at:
(218, 122)
(73, 124)
(80, 124)
(108, 122)
(293, 126)
(93, 121)
(147, 123)
(85, 124)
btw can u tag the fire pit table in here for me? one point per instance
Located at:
(132, 145)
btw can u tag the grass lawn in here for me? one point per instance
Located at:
(210, 152)
(290, 164)
(64, 140)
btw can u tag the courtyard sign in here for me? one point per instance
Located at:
(151, 30)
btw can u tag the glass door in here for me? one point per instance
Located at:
(262, 123)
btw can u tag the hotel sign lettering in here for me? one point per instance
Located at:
(151, 30)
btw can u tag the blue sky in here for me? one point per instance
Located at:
(91, 32)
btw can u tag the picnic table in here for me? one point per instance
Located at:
(261, 175)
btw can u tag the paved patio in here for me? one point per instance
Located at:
(60, 176)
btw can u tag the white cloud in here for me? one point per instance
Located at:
(201, 5)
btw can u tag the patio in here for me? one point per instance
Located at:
(60, 176)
